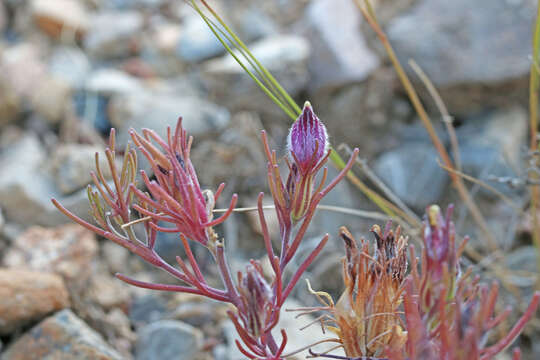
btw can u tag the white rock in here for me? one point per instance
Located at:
(58, 17)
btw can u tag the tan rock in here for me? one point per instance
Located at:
(60, 17)
(67, 250)
(62, 336)
(29, 295)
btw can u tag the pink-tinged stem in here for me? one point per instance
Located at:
(226, 276)
(165, 287)
(303, 268)
(531, 309)
(265, 233)
(192, 260)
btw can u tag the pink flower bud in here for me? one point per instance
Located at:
(256, 296)
(307, 142)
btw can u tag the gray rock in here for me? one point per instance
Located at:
(71, 65)
(333, 30)
(147, 309)
(72, 164)
(113, 34)
(61, 336)
(197, 42)
(168, 339)
(285, 56)
(491, 145)
(412, 172)
(109, 82)
(465, 41)
(253, 23)
(26, 189)
(155, 111)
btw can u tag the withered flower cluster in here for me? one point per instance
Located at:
(435, 312)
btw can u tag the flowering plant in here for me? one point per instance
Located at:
(176, 198)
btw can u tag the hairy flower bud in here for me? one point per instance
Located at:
(439, 240)
(307, 145)
(256, 296)
(307, 142)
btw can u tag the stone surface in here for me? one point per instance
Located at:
(27, 188)
(26, 296)
(491, 146)
(147, 309)
(71, 65)
(114, 34)
(197, 42)
(60, 17)
(112, 82)
(333, 30)
(72, 164)
(285, 56)
(157, 111)
(107, 291)
(168, 339)
(61, 336)
(66, 250)
(27, 82)
(412, 172)
(487, 43)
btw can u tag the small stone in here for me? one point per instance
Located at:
(147, 309)
(108, 292)
(412, 173)
(61, 336)
(72, 164)
(112, 82)
(26, 190)
(197, 42)
(71, 65)
(285, 56)
(26, 296)
(494, 31)
(333, 30)
(116, 257)
(150, 110)
(66, 250)
(58, 17)
(167, 339)
(114, 34)
(28, 81)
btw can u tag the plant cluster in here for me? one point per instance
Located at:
(434, 312)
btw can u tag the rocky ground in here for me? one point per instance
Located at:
(72, 69)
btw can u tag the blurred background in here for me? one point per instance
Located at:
(72, 69)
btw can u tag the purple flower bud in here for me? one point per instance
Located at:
(439, 239)
(307, 142)
(256, 296)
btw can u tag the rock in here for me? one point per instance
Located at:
(147, 309)
(109, 82)
(155, 111)
(107, 291)
(197, 42)
(114, 34)
(27, 81)
(491, 145)
(333, 30)
(26, 296)
(285, 56)
(26, 190)
(167, 339)
(61, 336)
(72, 164)
(116, 257)
(497, 30)
(412, 173)
(252, 22)
(71, 65)
(3, 24)
(67, 250)
(60, 17)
